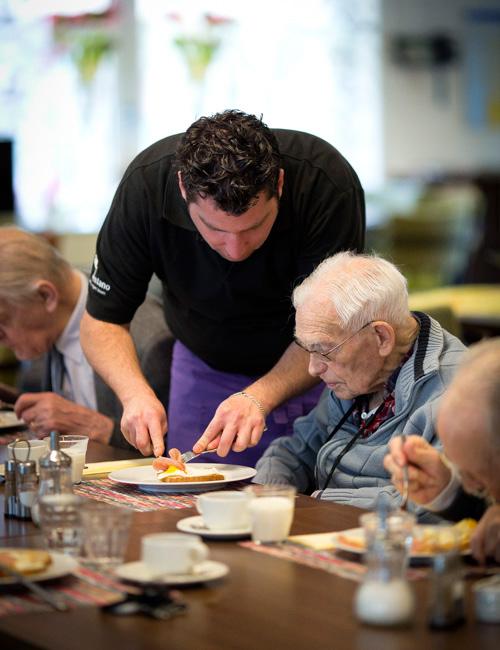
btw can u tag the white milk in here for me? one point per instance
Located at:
(271, 518)
(384, 603)
(77, 462)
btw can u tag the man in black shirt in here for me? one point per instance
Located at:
(230, 216)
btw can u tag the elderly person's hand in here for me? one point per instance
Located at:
(485, 541)
(238, 423)
(144, 423)
(427, 473)
(45, 412)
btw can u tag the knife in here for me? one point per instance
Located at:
(51, 599)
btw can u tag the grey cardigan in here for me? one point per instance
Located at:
(304, 460)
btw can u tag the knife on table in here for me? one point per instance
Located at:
(51, 599)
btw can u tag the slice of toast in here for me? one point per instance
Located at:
(25, 561)
(173, 478)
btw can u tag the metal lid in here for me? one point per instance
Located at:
(25, 468)
(55, 457)
(448, 561)
(10, 466)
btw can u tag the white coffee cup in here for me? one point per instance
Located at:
(172, 553)
(224, 510)
(36, 449)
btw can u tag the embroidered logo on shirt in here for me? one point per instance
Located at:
(95, 282)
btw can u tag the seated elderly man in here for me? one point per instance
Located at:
(42, 300)
(468, 425)
(384, 368)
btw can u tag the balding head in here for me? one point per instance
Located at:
(24, 260)
(469, 418)
(38, 292)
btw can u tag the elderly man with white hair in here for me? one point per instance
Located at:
(465, 482)
(385, 369)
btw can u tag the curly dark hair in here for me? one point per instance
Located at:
(229, 157)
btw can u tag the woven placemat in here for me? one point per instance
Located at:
(127, 496)
(104, 489)
(327, 560)
(83, 587)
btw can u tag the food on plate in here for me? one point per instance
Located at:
(174, 475)
(426, 539)
(439, 539)
(162, 464)
(25, 561)
(168, 473)
(9, 419)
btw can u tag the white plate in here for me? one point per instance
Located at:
(61, 565)
(139, 572)
(9, 420)
(145, 478)
(353, 540)
(196, 525)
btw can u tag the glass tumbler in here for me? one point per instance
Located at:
(61, 522)
(105, 534)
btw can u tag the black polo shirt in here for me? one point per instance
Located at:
(235, 316)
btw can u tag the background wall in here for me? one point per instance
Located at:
(425, 124)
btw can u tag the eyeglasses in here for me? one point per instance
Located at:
(326, 355)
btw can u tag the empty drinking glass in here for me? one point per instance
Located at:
(105, 534)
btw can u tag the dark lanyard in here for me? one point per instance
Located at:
(352, 441)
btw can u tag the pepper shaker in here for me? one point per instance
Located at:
(446, 609)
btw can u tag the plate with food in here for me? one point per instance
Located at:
(427, 540)
(197, 477)
(36, 564)
(9, 420)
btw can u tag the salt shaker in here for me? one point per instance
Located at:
(10, 492)
(446, 606)
(26, 487)
(385, 597)
(55, 474)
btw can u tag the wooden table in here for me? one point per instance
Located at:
(264, 603)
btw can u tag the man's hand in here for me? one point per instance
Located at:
(238, 423)
(428, 475)
(144, 423)
(44, 412)
(161, 463)
(485, 541)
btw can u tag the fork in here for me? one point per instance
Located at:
(189, 455)
(404, 500)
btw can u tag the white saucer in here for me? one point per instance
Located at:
(139, 572)
(196, 525)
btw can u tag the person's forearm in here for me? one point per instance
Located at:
(289, 377)
(110, 351)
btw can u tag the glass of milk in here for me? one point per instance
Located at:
(76, 447)
(271, 511)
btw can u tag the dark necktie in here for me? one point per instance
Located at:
(57, 370)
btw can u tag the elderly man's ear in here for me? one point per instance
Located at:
(48, 294)
(385, 336)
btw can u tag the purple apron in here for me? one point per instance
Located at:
(196, 390)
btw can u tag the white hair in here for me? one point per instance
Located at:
(360, 288)
(24, 259)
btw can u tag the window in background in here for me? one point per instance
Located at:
(312, 66)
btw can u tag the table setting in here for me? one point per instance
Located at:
(229, 542)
